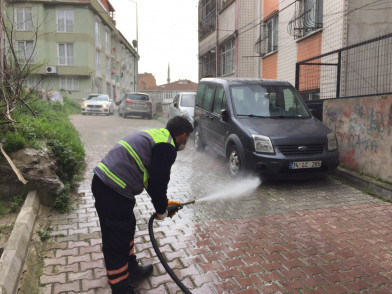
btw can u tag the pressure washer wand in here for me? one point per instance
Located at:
(174, 208)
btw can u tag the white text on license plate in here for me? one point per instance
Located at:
(305, 164)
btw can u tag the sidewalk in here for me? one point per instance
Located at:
(366, 183)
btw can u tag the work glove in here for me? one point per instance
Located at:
(161, 216)
(172, 212)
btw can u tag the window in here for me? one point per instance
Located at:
(32, 82)
(65, 21)
(207, 17)
(25, 50)
(97, 38)
(209, 94)
(220, 100)
(199, 95)
(227, 57)
(24, 19)
(108, 68)
(66, 54)
(69, 83)
(313, 15)
(271, 34)
(97, 61)
(107, 41)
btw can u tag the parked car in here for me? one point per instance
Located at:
(184, 105)
(262, 126)
(98, 104)
(135, 104)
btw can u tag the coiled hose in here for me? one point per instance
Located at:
(162, 258)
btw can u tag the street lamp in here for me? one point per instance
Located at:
(137, 49)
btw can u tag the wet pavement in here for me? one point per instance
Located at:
(318, 236)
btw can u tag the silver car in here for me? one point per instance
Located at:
(183, 105)
(135, 104)
(98, 104)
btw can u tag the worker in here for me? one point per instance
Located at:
(142, 160)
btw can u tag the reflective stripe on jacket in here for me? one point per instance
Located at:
(125, 167)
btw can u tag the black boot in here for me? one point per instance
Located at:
(138, 272)
(126, 289)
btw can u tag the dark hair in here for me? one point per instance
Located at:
(178, 125)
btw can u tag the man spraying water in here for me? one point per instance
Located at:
(141, 160)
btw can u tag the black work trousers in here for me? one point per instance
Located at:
(118, 225)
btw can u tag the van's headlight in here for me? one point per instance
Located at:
(85, 104)
(104, 105)
(263, 144)
(332, 142)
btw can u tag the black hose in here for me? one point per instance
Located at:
(162, 259)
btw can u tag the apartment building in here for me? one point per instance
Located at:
(75, 46)
(266, 38)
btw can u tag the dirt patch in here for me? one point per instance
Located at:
(7, 222)
(29, 281)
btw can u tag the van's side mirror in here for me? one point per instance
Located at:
(224, 114)
(175, 104)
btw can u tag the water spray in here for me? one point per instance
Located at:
(229, 192)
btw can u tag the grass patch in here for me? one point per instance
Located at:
(44, 231)
(50, 128)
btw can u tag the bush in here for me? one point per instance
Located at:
(49, 127)
(62, 202)
(13, 142)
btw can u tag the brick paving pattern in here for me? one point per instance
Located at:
(285, 237)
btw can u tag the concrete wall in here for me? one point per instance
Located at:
(368, 20)
(364, 130)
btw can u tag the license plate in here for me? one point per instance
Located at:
(305, 164)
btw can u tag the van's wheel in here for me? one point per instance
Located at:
(234, 162)
(199, 144)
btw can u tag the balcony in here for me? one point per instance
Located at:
(207, 25)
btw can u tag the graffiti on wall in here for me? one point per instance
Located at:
(364, 130)
(367, 125)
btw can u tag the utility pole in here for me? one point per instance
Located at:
(137, 50)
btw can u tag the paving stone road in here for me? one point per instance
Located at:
(283, 237)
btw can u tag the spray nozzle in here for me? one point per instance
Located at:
(172, 209)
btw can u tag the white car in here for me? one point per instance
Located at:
(183, 105)
(98, 104)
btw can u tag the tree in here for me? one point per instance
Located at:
(18, 58)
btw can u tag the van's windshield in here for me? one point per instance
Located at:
(267, 101)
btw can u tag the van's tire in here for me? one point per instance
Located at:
(234, 162)
(199, 144)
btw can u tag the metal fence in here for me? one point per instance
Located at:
(363, 69)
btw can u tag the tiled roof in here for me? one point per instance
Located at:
(180, 85)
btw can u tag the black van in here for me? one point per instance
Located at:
(263, 126)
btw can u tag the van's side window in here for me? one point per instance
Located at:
(220, 100)
(199, 95)
(208, 95)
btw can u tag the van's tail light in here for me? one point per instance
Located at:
(149, 102)
(128, 101)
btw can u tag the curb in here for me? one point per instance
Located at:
(14, 255)
(366, 183)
